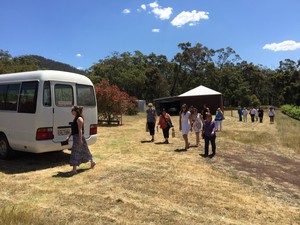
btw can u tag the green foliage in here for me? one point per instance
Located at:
(291, 110)
(254, 101)
(18, 64)
(9, 64)
(44, 63)
(152, 76)
(111, 101)
(132, 106)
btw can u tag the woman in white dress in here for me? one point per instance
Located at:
(245, 114)
(185, 121)
(196, 124)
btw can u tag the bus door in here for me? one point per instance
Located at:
(63, 100)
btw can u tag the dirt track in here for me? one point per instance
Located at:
(279, 175)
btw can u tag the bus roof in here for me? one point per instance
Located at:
(51, 75)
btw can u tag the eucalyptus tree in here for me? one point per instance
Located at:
(226, 56)
(164, 71)
(192, 64)
(256, 78)
(155, 85)
(235, 88)
(9, 64)
(287, 82)
(125, 70)
(5, 61)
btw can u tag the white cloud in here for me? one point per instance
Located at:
(161, 13)
(154, 5)
(80, 68)
(155, 30)
(192, 18)
(144, 7)
(126, 11)
(79, 55)
(288, 45)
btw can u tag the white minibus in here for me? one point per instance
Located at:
(35, 110)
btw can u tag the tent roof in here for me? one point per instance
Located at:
(200, 91)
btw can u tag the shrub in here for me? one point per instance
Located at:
(111, 101)
(132, 106)
(292, 111)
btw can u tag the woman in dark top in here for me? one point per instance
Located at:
(209, 134)
(260, 114)
(151, 120)
(80, 151)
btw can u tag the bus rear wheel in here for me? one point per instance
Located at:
(5, 150)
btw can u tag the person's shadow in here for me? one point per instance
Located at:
(184, 149)
(26, 162)
(161, 143)
(180, 150)
(146, 141)
(69, 174)
(207, 156)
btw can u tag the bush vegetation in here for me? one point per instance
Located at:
(292, 111)
(153, 76)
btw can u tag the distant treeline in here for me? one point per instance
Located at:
(9, 64)
(154, 76)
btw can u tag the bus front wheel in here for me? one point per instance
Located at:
(5, 150)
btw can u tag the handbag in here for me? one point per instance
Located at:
(169, 124)
(173, 133)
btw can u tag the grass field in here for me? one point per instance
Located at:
(253, 179)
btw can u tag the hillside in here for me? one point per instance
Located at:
(50, 64)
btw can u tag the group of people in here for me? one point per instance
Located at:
(190, 119)
(164, 122)
(255, 114)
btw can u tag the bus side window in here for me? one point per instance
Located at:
(47, 94)
(3, 90)
(63, 95)
(12, 97)
(85, 95)
(28, 97)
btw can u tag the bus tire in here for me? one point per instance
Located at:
(5, 150)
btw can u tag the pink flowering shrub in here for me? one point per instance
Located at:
(111, 101)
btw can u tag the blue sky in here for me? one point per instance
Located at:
(80, 33)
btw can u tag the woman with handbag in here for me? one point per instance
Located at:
(165, 124)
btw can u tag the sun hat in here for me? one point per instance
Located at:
(150, 105)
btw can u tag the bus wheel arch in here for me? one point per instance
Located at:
(5, 150)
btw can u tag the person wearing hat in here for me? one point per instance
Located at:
(151, 120)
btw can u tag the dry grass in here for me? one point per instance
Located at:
(254, 179)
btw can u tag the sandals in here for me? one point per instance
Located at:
(93, 164)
